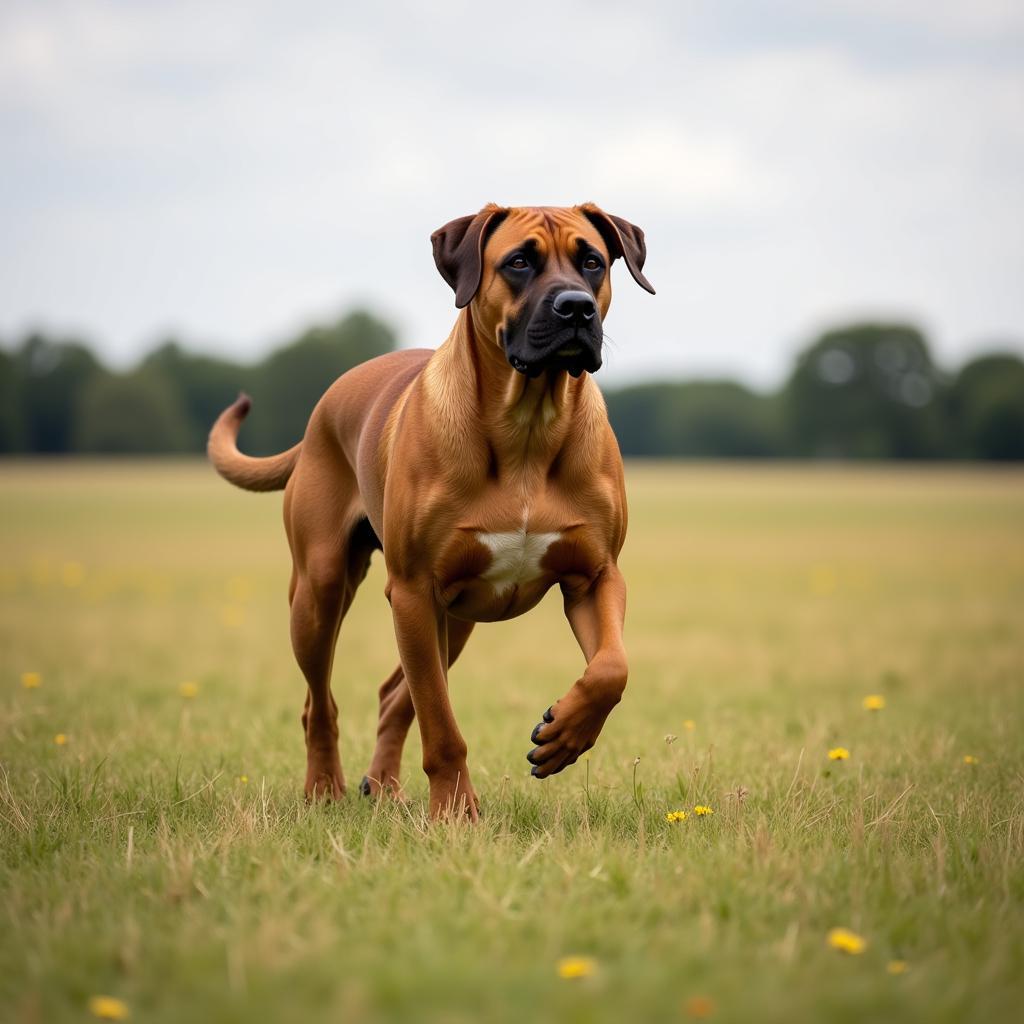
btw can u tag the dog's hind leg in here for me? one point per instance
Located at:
(330, 558)
(396, 716)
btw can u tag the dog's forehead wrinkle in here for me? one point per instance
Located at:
(550, 220)
(557, 234)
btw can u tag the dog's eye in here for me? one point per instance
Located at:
(592, 263)
(517, 262)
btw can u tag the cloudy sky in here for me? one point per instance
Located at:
(230, 172)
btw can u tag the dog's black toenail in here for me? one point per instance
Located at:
(364, 787)
(533, 771)
(534, 738)
(548, 717)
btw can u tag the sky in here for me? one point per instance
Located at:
(228, 173)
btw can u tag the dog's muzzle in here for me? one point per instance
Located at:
(565, 333)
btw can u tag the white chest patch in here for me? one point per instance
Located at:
(517, 556)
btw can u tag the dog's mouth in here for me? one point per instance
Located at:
(576, 350)
(574, 359)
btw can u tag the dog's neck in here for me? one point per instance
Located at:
(526, 422)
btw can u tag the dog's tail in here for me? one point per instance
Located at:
(269, 474)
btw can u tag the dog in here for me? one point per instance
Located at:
(486, 471)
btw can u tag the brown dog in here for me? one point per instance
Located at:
(486, 471)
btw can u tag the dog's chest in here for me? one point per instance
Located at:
(516, 556)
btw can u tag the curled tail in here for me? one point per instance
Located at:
(269, 474)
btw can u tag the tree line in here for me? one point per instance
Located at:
(863, 391)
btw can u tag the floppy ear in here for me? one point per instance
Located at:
(459, 250)
(623, 239)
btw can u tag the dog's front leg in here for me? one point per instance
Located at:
(422, 634)
(571, 725)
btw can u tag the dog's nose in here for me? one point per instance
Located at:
(576, 306)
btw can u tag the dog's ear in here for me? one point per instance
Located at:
(459, 250)
(623, 239)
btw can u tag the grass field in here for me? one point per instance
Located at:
(163, 855)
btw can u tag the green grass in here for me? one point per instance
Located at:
(765, 603)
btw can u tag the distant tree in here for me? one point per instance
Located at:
(867, 391)
(864, 391)
(704, 418)
(986, 404)
(12, 432)
(289, 382)
(132, 414)
(204, 385)
(52, 376)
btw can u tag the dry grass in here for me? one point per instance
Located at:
(765, 603)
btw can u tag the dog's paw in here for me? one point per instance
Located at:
(556, 748)
(324, 785)
(453, 798)
(372, 788)
(569, 729)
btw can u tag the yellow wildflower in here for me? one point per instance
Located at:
(701, 810)
(189, 689)
(846, 941)
(108, 1008)
(838, 754)
(897, 967)
(676, 816)
(874, 702)
(243, 779)
(232, 615)
(824, 580)
(72, 574)
(238, 589)
(970, 759)
(689, 725)
(699, 1007)
(30, 680)
(60, 739)
(571, 967)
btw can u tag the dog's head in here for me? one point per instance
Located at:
(538, 279)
